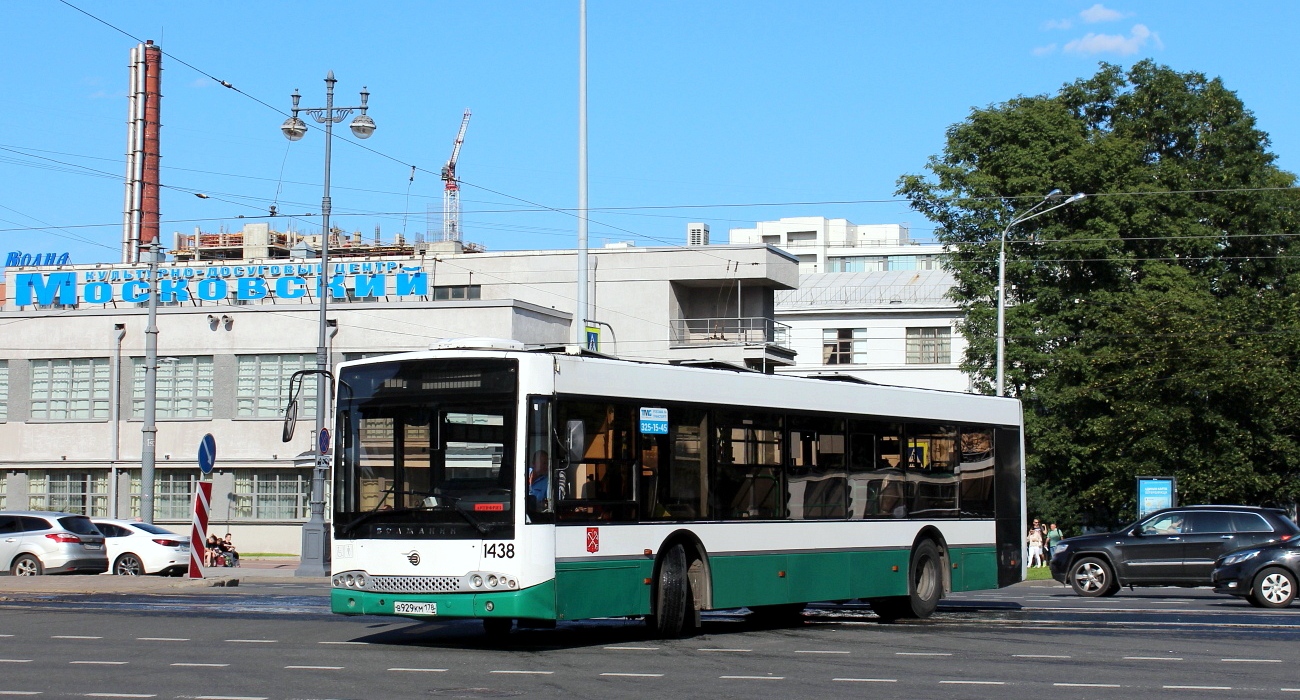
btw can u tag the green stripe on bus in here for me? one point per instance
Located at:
(537, 602)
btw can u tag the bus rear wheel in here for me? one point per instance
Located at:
(924, 587)
(673, 599)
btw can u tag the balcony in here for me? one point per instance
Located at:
(746, 331)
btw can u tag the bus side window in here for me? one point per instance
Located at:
(976, 472)
(816, 485)
(683, 482)
(877, 487)
(748, 474)
(599, 470)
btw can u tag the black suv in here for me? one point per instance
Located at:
(1171, 547)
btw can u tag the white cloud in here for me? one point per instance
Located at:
(1101, 13)
(1092, 43)
(1044, 50)
(1058, 24)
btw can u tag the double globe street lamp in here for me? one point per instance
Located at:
(1033, 213)
(314, 541)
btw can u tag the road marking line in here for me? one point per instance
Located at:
(359, 643)
(1196, 687)
(1087, 685)
(866, 680)
(32, 692)
(120, 695)
(1290, 690)
(818, 651)
(525, 673)
(201, 665)
(420, 670)
(72, 636)
(974, 682)
(634, 675)
(1041, 656)
(738, 651)
(752, 678)
(15, 661)
(17, 691)
(1253, 661)
(316, 668)
(253, 641)
(922, 653)
(632, 648)
(1153, 658)
(161, 639)
(101, 663)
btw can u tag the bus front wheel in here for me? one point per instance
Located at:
(924, 587)
(672, 595)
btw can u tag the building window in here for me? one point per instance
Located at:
(173, 494)
(457, 292)
(929, 346)
(4, 492)
(262, 385)
(844, 346)
(184, 387)
(74, 389)
(80, 492)
(272, 495)
(928, 262)
(902, 262)
(856, 263)
(4, 391)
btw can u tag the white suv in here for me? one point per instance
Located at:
(40, 542)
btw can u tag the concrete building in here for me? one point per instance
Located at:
(871, 303)
(837, 245)
(233, 330)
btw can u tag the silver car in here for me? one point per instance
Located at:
(40, 542)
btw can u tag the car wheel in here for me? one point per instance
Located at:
(27, 565)
(1092, 577)
(1273, 588)
(128, 565)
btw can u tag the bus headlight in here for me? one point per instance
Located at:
(477, 581)
(492, 581)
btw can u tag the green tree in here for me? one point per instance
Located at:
(1152, 328)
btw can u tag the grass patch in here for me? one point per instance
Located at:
(265, 555)
(1039, 574)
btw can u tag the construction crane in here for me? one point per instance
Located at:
(451, 190)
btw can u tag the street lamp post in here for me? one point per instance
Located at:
(314, 540)
(1002, 270)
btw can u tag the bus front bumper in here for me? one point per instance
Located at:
(534, 602)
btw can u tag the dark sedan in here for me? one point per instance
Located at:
(1171, 547)
(1264, 576)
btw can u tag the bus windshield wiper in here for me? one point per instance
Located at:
(372, 512)
(478, 524)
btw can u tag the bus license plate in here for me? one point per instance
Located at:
(401, 607)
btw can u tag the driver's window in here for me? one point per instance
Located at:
(1167, 524)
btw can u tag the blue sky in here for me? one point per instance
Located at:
(690, 103)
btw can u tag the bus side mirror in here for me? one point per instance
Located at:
(290, 419)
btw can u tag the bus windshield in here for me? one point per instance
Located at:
(427, 450)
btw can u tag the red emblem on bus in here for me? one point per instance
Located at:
(593, 539)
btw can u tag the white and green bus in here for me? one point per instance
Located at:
(510, 485)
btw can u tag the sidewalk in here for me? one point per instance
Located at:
(255, 570)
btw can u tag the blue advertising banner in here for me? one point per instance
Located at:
(654, 421)
(1154, 493)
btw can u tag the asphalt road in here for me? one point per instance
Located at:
(276, 641)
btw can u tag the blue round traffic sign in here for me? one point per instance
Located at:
(324, 441)
(207, 453)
